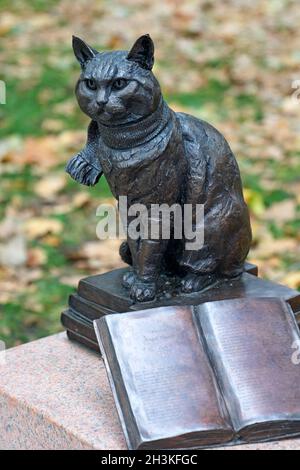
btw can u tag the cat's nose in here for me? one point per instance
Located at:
(101, 101)
(101, 98)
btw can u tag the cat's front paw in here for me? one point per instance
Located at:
(128, 279)
(142, 291)
(196, 282)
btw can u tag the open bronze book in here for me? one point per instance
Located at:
(221, 372)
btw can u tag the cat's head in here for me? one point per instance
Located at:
(117, 87)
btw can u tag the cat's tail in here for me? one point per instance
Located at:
(125, 253)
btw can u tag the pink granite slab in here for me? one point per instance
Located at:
(54, 394)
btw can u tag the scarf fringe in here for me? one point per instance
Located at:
(85, 167)
(83, 171)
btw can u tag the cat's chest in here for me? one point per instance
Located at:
(143, 175)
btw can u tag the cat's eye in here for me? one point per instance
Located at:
(91, 84)
(119, 84)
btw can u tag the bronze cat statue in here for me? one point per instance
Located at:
(153, 155)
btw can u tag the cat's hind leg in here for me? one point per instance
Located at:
(199, 270)
(235, 251)
(195, 282)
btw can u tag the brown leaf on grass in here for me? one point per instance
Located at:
(29, 276)
(9, 227)
(8, 148)
(67, 202)
(45, 152)
(292, 280)
(97, 255)
(31, 319)
(53, 125)
(49, 186)
(7, 22)
(13, 253)
(244, 69)
(281, 212)
(38, 227)
(269, 247)
(52, 240)
(81, 199)
(42, 151)
(36, 257)
(18, 281)
(66, 108)
(71, 281)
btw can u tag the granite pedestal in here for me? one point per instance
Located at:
(54, 394)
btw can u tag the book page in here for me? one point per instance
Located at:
(250, 344)
(166, 375)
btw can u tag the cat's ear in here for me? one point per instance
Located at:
(83, 52)
(142, 52)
